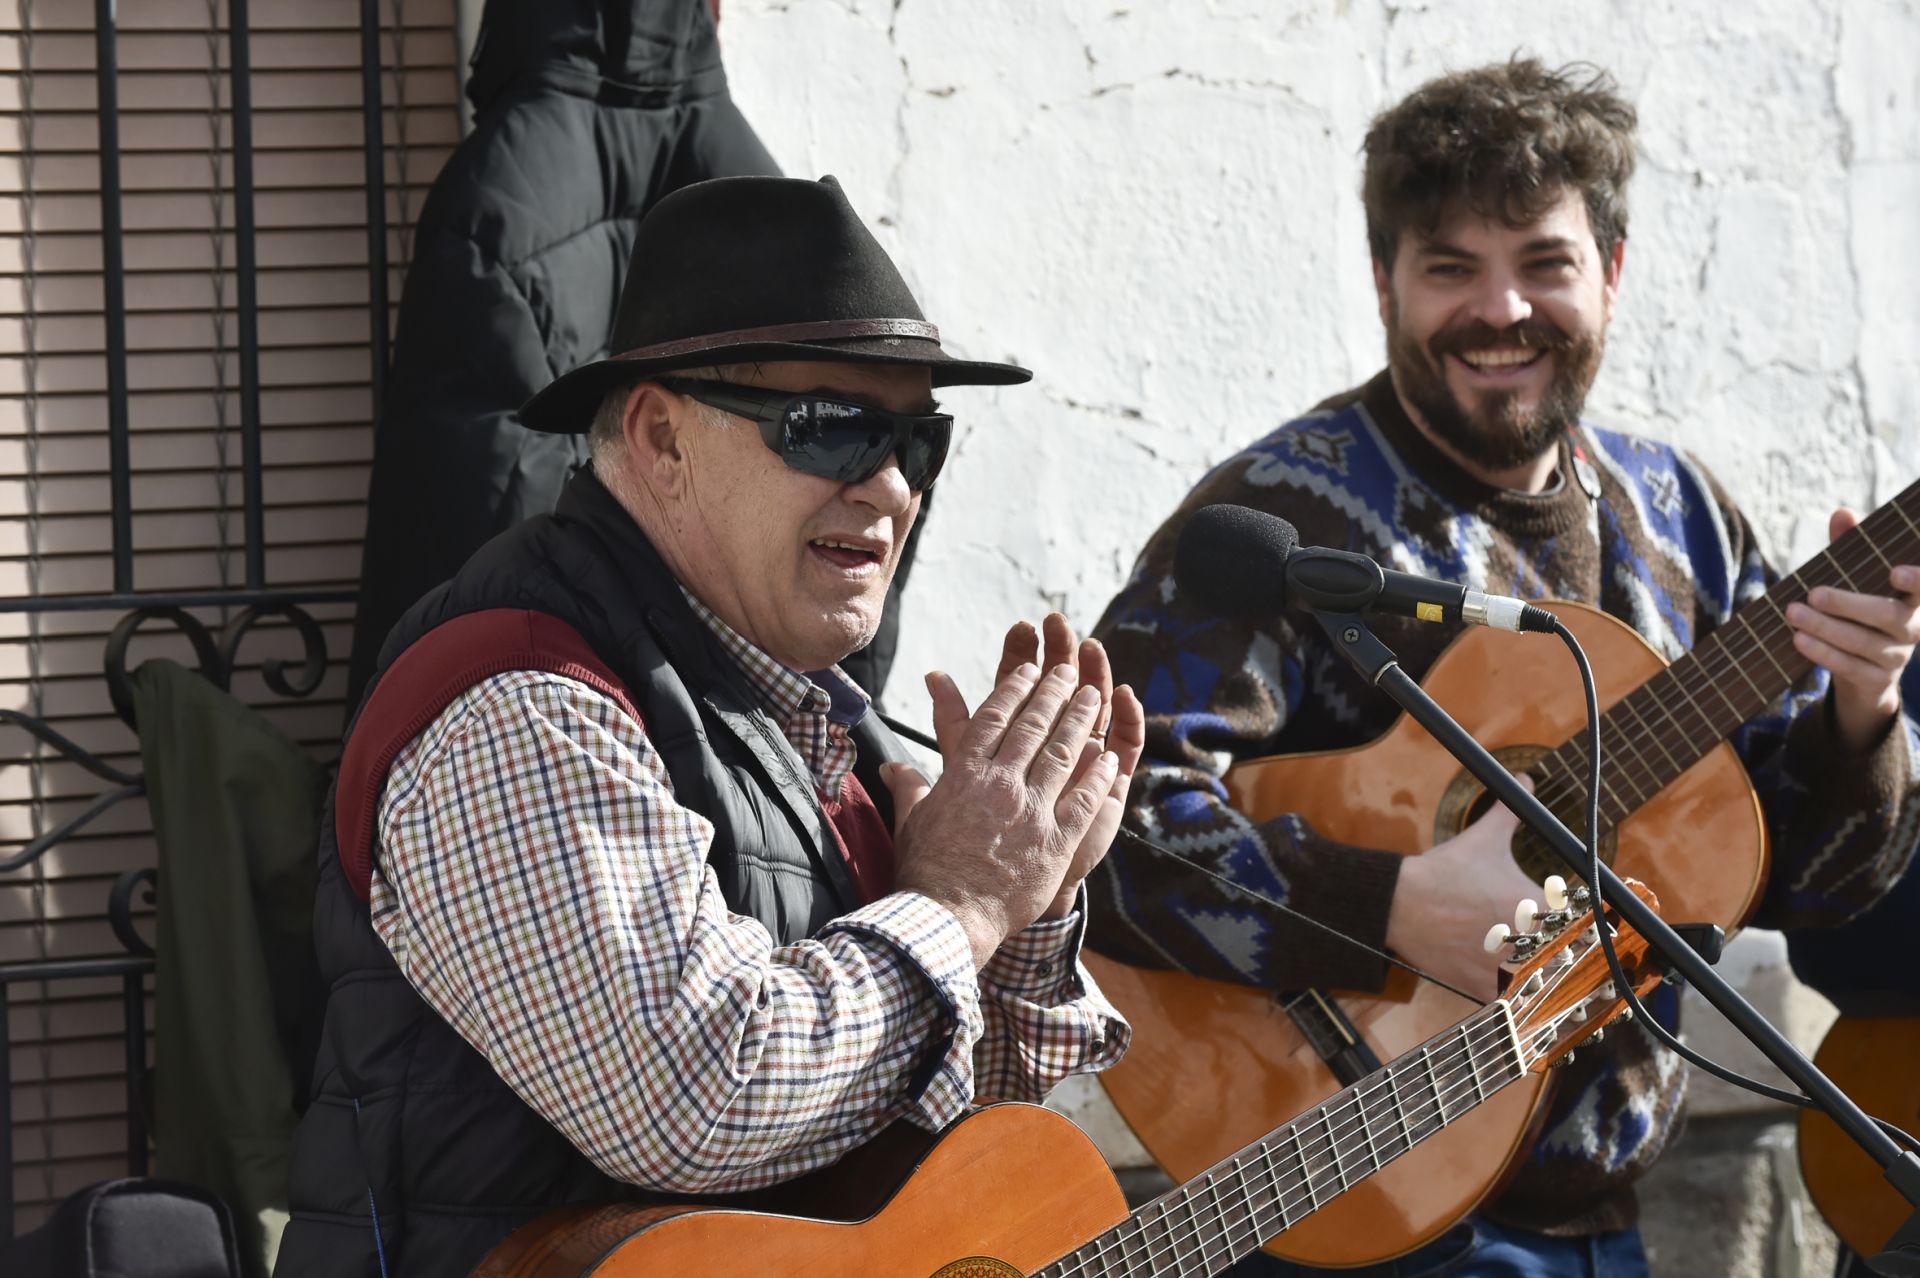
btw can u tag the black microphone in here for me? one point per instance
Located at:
(1249, 565)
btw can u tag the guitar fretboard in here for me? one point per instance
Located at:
(1665, 726)
(1224, 1214)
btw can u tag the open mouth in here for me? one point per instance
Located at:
(851, 554)
(1501, 360)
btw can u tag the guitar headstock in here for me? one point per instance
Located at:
(1559, 990)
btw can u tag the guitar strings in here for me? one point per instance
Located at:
(1456, 1085)
(1176, 1238)
(1715, 661)
(1719, 660)
(1721, 655)
(1560, 780)
(1846, 563)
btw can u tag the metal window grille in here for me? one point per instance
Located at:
(204, 206)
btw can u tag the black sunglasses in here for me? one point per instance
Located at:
(832, 438)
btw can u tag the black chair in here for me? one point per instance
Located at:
(136, 1228)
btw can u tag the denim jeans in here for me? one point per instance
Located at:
(1481, 1249)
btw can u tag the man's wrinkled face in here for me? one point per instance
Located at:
(796, 563)
(1495, 333)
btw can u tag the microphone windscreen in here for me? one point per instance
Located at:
(1232, 562)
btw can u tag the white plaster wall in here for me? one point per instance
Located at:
(1153, 204)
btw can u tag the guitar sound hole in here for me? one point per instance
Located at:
(1466, 801)
(976, 1267)
(1531, 853)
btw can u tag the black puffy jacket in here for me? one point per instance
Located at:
(588, 111)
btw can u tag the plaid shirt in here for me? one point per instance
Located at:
(540, 888)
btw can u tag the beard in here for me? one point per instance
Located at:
(1504, 432)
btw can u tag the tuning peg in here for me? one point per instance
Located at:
(1526, 916)
(1556, 892)
(1626, 1013)
(1597, 1034)
(1497, 936)
(1579, 897)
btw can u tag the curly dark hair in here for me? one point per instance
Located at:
(1509, 139)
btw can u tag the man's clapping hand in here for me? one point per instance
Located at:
(1034, 786)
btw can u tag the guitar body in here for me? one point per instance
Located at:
(1003, 1192)
(1213, 1065)
(1871, 1059)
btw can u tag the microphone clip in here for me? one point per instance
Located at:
(1349, 633)
(1322, 580)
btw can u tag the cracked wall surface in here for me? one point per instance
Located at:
(1154, 205)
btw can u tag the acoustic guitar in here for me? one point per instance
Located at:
(1212, 1063)
(1871, 1059)
(1017, 1189)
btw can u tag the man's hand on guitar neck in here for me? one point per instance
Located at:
(1864, 641)
(1448, 897)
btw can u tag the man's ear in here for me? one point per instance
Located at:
(656, 446)
(1616, 263)
(1383, 291)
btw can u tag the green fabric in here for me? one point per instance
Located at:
(236, 809)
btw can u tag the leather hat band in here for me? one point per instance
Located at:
(814, 331)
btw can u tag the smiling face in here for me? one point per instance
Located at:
(799, 565)
(1495, 332)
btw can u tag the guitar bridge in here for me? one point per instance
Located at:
(1334, 1037)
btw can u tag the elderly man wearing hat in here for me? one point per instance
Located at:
(617, 898)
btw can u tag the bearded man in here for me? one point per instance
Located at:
(1496, 214)
(617, 899)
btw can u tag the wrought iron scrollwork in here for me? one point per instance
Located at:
(120, 907)
(127, 785)
(217, 657)
(206, 653)
(313, 644)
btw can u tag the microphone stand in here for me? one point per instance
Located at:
(1350, 637)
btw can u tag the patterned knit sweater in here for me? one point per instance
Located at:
(1645, 534)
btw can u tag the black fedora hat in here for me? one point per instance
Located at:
(756, 268)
